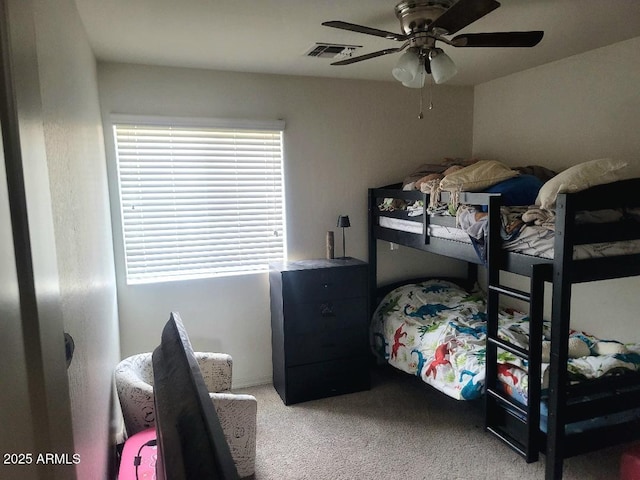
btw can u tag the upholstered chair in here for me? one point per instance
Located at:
(237, 412)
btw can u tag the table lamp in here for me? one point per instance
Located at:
(343, 222)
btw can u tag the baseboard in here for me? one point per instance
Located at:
(252, 382)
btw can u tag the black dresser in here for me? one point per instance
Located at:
(319, 328)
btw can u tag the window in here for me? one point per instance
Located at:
(199, 198)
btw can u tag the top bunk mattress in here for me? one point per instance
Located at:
(534, 237)
(440, 231)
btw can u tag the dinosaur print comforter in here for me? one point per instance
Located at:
(437, 330)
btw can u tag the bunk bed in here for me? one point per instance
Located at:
(568, 403)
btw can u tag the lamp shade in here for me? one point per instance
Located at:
(442, 67)
(418, 80)
(343, 221)
(407, 67)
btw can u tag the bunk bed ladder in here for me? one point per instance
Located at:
(511, 421)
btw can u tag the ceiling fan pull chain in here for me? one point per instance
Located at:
(420, 115)
(430, 92)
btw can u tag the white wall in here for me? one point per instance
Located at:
(79, 195)
(341, 137)
(557, 115)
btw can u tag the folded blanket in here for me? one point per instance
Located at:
(476, 224)
(540, 217)
(473, 222)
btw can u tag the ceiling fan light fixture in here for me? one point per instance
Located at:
(418, 80)
(407, 67)
(442, 67)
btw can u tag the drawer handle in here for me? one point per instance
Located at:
(326, 310)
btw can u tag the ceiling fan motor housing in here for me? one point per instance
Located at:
(416, 16)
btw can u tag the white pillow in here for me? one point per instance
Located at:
(579, 177)
(476, 177)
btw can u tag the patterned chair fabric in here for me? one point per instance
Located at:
(237, 413)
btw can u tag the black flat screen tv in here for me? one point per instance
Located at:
(191, 443)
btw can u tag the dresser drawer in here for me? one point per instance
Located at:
(308, 382)
(327, 315)
(318, 347)
(325, 283)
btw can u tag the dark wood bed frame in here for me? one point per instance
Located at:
(515, 423)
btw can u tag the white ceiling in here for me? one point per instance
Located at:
(272, 36)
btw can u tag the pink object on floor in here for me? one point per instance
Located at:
(148, 455)
(630, 464)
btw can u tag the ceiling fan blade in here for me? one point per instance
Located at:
(498, 39)
(463, 13)
(352, 27)
(351, 60)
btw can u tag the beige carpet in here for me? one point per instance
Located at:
(400, 429)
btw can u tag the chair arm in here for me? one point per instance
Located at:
(136, 400)
(238, 416)
(216, 370)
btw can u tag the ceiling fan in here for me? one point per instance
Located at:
(426, 22)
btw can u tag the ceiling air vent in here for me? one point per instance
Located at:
(331, 50)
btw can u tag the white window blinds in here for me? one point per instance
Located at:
(199, 201)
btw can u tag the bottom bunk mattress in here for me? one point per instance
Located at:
(436, 330)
